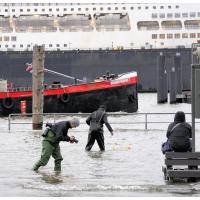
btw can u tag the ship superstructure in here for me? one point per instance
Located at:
(96, 26)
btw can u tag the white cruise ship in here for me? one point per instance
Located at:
(94, 26)
(85, 40)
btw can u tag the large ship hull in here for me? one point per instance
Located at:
(90, 64)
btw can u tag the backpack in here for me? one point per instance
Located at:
(96, 126)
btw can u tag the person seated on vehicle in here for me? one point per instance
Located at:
(178, 135)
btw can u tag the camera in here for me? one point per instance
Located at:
(75, 140)
(49, 124)
(44, 134)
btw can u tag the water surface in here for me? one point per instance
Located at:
(130, 166)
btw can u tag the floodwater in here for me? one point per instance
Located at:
(130, 166)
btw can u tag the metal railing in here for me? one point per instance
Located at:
(146, 120)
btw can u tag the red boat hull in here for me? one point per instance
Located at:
(117, 95)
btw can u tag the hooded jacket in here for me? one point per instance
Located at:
(98, 116)
(60, 130)
(179, 133)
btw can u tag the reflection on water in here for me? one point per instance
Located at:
(130, 166)
(51, 178)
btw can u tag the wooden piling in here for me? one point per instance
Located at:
(172, 86)
(178, 70)
(162, 91)
(37, 86)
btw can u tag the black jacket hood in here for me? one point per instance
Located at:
(179, 117)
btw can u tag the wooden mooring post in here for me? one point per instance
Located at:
(37, 86)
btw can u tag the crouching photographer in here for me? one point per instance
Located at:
(53, 135)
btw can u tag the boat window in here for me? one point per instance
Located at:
(116, 8)
(154, 7)
(177, 6)
(101, 8)
(65, 9)
(13, 45)
(109, 8)
(6, 46)
(162, 36)
(162, 43)
(0, 38)
(185, 15)
(50, 45)
(132, 8)
(169, 15)
(5, 25)
(177, 15)
(154, 36)
(13, 10)
(154, 15)
(28, 10)
(112, 22)
(169, 36)
(146, 7)
(34, 23)
(13, 38)
(94, 8)
(177, 35)
(6, 10)
(74, 23)
(171, 25)
(57, 9)
(65, 45)
(6, 38)
(192, 14)
(148, 25)
(192, 24)
(192, 35)
(139, 8)
(184, 35)
(169, 7)
(161, 7)
(57, 45)
(21, 45)
(43, 10)
(21, 10)
(50, 9)
(123, 8)
(162, 15)
(72, 9)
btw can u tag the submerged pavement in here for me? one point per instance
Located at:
(130, 166)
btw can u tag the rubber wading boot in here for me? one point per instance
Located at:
(36, 167)
(57, 167)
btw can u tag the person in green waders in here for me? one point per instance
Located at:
(50, 145)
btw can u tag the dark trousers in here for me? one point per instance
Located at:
(99, 137)
(167, 147)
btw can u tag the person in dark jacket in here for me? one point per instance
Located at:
(55, 133)
(178, 133)
(96, 121)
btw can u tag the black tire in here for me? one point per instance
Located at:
(64, 98)
(131, 98)
(8, 103)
